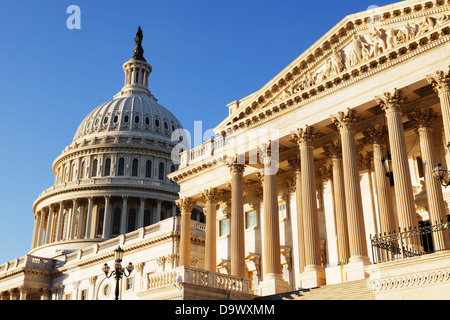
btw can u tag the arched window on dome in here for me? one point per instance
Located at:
(147, 217)
(161, 171)
(121, 167)
(107, 167)
(116, 221)
(125, 119)
(73, 174)
(147, 120)
(131, 225)
(136, 119)
(148, 169)
(94, 168)
(135, 167)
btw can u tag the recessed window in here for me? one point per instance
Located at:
(147, 120)
(97, 121)
(166, 126)
(161, 171)
(148, 169)
(106, 290)
(224, 227)
(116, 220)
(116, 118)
(121, 168)
(107, 167)
(250, 219)
(136, 119)
(94, 168)
(125, 119)
(131, 226)
(105, 120)
(157, 123)
(135, 167)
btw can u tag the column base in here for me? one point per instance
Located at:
(273, 283)
(356, 269)
(313, 276)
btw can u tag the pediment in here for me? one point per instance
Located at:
(356, 46)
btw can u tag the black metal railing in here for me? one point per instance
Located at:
(428, 238)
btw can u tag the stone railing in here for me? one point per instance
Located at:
(198, 277)
(27, 261)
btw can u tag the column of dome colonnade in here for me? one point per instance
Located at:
(314, 273)
(74, 220)
(346, 124)
(392, 103)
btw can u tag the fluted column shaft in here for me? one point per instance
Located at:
(435, 199)
(391, 104)
(271, 258)
(89, 218)
(441, 84)
(123, 218)
(295, 163)
(60, 222)
(186, 205)
(211, 196)
(237, 221)
(73, 220)
(48, 232)
(107, 219)
(305, 138)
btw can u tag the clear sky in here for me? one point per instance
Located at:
(204, 53)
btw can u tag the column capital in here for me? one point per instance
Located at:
(423, 118)
(391, 101)
(212, 195)
(440, 81)
(326, 173)
(295, 163)
(237, 167)
(185, 204)
(305, 136)
(376, 134)
(333, 149)
(345, 120)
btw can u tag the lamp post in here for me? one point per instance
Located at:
(439, 172)
(118, 270)
(387, 163)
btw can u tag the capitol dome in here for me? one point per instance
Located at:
(112, 178)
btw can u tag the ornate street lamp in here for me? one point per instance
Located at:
(439, 172)
(118, 270)
(387, 163)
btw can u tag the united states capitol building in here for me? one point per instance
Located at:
(323, 184)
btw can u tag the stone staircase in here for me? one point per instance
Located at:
(353, 290)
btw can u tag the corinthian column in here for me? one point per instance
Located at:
(441, 84)
(211, 196)
(296, 163)
(346, 122)
(237, 220)
(334, 151)
(392, 103)
(185, 205)
(376, 135)
(313, 274)
(423, 120)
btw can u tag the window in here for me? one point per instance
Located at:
(125, 119)
(282, 210)
(131, 220)
(166, 126)
(147, 120)
(157, 123)
(73, 173)
(136, 119)
(147, 217)
(84, 294)
(134, 168)
(68, 296)
(121, 167)
(224, 227)
(148, 169)
(83, 164)
(161, 171)
(116, 118)
(116, 221)
(129, 284)
(107, 167)
(250, 219)
(94, 168)
(105, 120)
(101, 216)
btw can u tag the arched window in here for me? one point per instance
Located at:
(136, 119)
(161, 171)
(73, 173)
(148, 169)
(125, 119)
(121, 167)
(94, 168)
(116, 221)
(101, 216)
(131, 220)
(107, 166)
(135, 167)
(147, 217)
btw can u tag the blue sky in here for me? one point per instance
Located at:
(204, 53)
